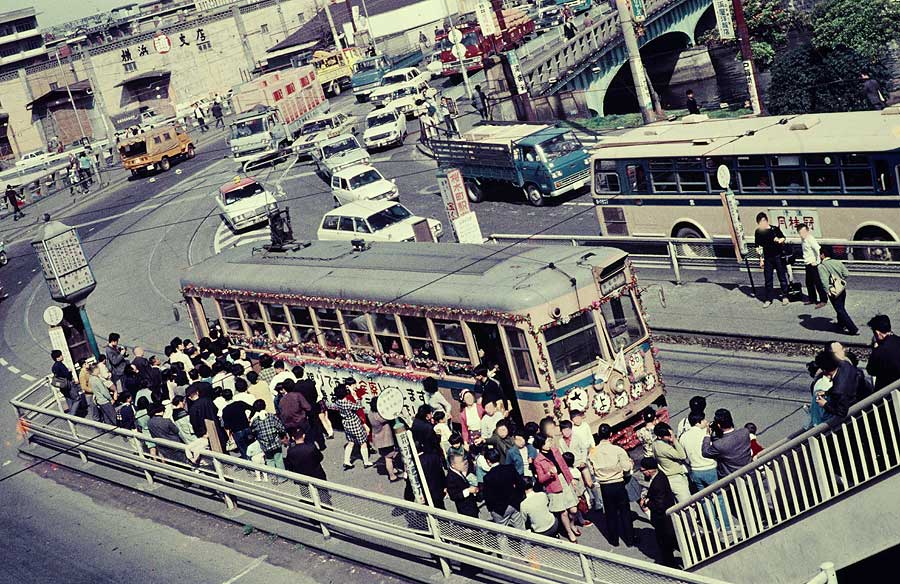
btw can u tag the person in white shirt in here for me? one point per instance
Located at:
(579, 446)
(810, 247)
(281, 374)
(489, 421)
(702, 471)
(536, 509)
(695, 405)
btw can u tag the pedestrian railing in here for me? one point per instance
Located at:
(792, 479)
(717, 253)
(439, 537)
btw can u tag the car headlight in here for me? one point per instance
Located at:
(557, 174)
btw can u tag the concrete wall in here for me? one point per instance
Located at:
(853, 528)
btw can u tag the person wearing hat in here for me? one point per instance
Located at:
(12, 200)
(470, 415)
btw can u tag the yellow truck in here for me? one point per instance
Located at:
(334, 68)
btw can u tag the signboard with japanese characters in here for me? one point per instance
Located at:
(161, 44)
(735, 226)
(453, 192)
(65, 266)
(487, 20)
(789, 219)
(467, 229)
(724, 20)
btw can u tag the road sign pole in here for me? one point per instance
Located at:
(88, 330)
(645, 103)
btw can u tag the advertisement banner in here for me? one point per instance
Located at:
(487, 20)
(789, 219)
(724, 20)
(735, 227)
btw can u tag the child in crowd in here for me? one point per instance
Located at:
(255, 454)
(456, 446)
(755, 446)
(580, 491)
(442, 429)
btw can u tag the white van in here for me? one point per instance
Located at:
(361, 183)
(409, 98)
(373, 221)
(384, 127)
(244, 202)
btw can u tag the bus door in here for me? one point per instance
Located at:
(490, 351)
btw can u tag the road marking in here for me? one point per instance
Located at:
(298, 175)
(226, 238)
(27, 377)
(14, 369)
(253, 565)
(3, 362)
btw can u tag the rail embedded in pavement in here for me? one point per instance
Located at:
(508, 554)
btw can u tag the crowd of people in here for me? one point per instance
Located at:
(553, 477)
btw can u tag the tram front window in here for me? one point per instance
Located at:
(623, 323)
(573, 346)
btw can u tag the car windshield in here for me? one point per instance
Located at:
(339, 147)
(380, 120)
(393, 78)
(133, 149)
(365, 178)
(403, 92)
(247, 128)
(368, 64)
(560, 145)
(244, 192)
(317, 126)
(391, 215)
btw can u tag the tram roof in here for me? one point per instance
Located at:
(481, 277)
(866, 131)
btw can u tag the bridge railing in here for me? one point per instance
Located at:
(438, 537)
(687, 253)
(792, 479)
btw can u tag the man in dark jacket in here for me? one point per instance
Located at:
(770, 247)
(423, 433)
(884, 362)
(504, 491)
(200, 409)
(166, 429)
(236, 419)
(307, 388)
(304, 458)
(729, 446)
(115, 358)
(460, 491)
(659, 498)
(293, 406)
(844, 381)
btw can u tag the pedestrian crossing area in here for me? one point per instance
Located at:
(226, 239)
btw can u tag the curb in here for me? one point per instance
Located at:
(752, 337)
(424, 151)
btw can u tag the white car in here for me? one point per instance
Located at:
(409, 98)
(404, 75)
(337, 153)
(32, 159)
(384, 127)
(322, 128)
(244, 203)
(435, 66)
(362, 183)
(373, 221)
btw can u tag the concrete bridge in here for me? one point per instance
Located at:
(592, 60)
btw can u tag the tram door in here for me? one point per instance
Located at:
(490, 351)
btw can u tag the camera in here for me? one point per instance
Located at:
(812, 368)
(715, 429)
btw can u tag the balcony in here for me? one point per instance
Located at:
(20, 35)
(24, 55)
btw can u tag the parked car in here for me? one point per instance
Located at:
(244, 202)
(384, 127)
(435, 66)
(32, 159)
(409, 98)
(336, 153)
(404, 75)
(362, 183)
(373, 221)
(322, 128)
(381, 95)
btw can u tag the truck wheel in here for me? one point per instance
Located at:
(164, 164)
(534, 196)
(336, 89)
(190, 151)
(474, 192)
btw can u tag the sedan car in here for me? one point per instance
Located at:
(362, 183)
(32, 159)
(244, 202)
(322, 128)
(374, 221)
(384, 127)
(339, 153)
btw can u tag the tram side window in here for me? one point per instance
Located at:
(209, 311)
(623, 323)
(523, 367)
(231, 316)
(278, 320)
(303, 324)
(254, 318)
(357, 325)
(330, 327)
(606, 177)
(388, 336)
(453, 343)
(419, 338)
(573, 346)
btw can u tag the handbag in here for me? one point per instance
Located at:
(836, 285)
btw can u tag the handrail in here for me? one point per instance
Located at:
(792, 478)
(443, 534)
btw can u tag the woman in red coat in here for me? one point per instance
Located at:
(553, 474)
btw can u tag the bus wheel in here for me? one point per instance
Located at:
(164, 164)
(474, 192)
(873, 253)
(534, 195)
(686, 249)
(190, 151)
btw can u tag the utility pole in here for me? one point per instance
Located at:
(462, 64)
(634, 61)
(747, 57)
(334, 34)
(69, 92)
(100, 103)
(284, 28)
(369, 28)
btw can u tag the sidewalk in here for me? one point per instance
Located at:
(726, 308)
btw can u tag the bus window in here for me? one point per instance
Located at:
(573, 346)
(416, 330)
(523, 367)
(692, 181)
(303, 324)
(453, 343)
(788, 180)
(663, 176)
(623, 324)
(755, 181)
(357, 325)
(614, 219)
(232, 316)
(857, 179)
(823, 179)
(637, 178)
(606, 178)
(330, 327)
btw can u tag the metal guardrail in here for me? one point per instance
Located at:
(792, 479)
(678, 253)
(508, 554)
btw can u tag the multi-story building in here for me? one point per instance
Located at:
(21, 40)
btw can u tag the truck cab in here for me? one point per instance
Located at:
(551, 162)
(257, 134)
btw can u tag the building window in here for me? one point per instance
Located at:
(204, 46)
(54, 85)
(130, 66)
(264, 28)
(301, 18)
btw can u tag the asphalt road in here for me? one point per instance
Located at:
(142, 236)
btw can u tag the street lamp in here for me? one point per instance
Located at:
(66, 270)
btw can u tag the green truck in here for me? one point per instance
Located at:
(543, 161)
